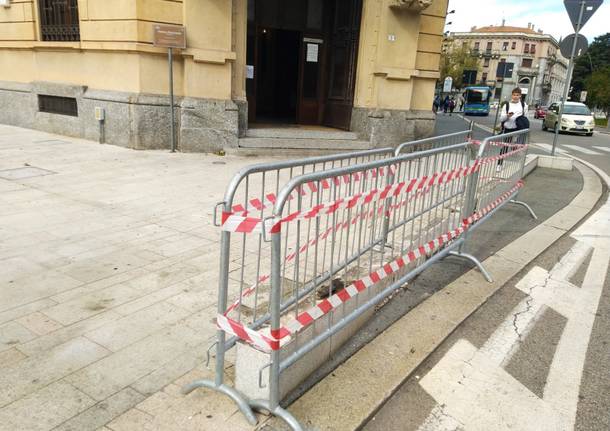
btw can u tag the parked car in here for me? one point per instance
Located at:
(576, 118)
(540, 112)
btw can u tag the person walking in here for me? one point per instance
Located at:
(436, 104)
(446, 104)
(513, 118)
(451, 106)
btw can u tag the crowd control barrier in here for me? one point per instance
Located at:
(322, 241)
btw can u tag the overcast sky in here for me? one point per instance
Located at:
(548, 15)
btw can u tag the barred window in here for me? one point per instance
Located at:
(59, 20)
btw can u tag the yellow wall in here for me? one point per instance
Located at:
(399, 50)
(116, 53)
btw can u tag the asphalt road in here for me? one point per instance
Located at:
(594, 149)
(474, 382)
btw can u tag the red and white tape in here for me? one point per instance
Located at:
(363, 216)
(240, 223)
(324, 307)
(257, 204)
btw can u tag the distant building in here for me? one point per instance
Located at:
(539, 68)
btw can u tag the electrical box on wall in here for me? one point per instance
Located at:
(99, 114)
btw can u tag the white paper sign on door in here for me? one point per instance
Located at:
(312, 53)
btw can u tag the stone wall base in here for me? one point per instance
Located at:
(142, 121)
(132, 120)
(390, 127)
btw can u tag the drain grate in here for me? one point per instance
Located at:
(23, 173)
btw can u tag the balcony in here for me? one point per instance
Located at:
(487, 53)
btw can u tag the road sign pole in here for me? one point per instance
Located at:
(499, 106)
(170, 60)
(566, 88)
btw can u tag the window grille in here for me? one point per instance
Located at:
(59, 20)
(58, 105)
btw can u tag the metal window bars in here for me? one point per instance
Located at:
(323, 240)
(59, 20)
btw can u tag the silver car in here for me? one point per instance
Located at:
(576, 118)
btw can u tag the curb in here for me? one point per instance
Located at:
(387, 361)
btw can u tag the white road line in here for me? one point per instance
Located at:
(472, 389)
(581, 150)
(606, 149)
(549, 148)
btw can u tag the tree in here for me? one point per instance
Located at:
(596, 58)
(598, 88)
(454, 61)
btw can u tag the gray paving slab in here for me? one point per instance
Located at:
(44, 409)
(36, 372)
(102, 412)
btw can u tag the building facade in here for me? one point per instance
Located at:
(539, 68)
(364, 66)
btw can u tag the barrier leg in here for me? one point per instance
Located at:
(218, 383)
(278, 411)
(523, 204)
(474, 260)
(239, 399)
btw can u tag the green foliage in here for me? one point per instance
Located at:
(596, 58)
(598, 88)
(454, 62)
(601, 122)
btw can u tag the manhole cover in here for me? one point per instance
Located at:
(22, 173)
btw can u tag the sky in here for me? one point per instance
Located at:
(548, 15)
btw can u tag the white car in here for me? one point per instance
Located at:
(576, 118)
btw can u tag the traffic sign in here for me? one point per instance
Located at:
(505, 70)
(582, 44)
(583, 96)
(573, 8)
(447, 84)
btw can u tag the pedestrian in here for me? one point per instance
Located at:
(461, 108)
(451, 106)
(446, 104)
(513, 118)
(436, 104)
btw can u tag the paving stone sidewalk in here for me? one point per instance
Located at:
(108, 278)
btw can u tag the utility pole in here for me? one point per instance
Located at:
(568, 82)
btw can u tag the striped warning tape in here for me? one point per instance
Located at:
(258, 204)
(495, 143)
(240, 223)
(306, 318)
(363, 215)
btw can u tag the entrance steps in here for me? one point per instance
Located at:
(300, 139)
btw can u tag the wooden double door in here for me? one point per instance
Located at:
(301, 57)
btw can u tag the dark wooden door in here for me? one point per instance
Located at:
(342, 57)
(310, 80)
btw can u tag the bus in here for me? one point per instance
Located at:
(476, 100)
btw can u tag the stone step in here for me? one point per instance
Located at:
(304, 144)
(299, 133)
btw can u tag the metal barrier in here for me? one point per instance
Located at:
(435, 142)
(252, 193)
(343, 235)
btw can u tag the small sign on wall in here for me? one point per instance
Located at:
(249, 71)
(169, 36)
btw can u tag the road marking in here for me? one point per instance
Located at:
(581, 149)
(606, 149)
(473, 390)
(549, 148)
